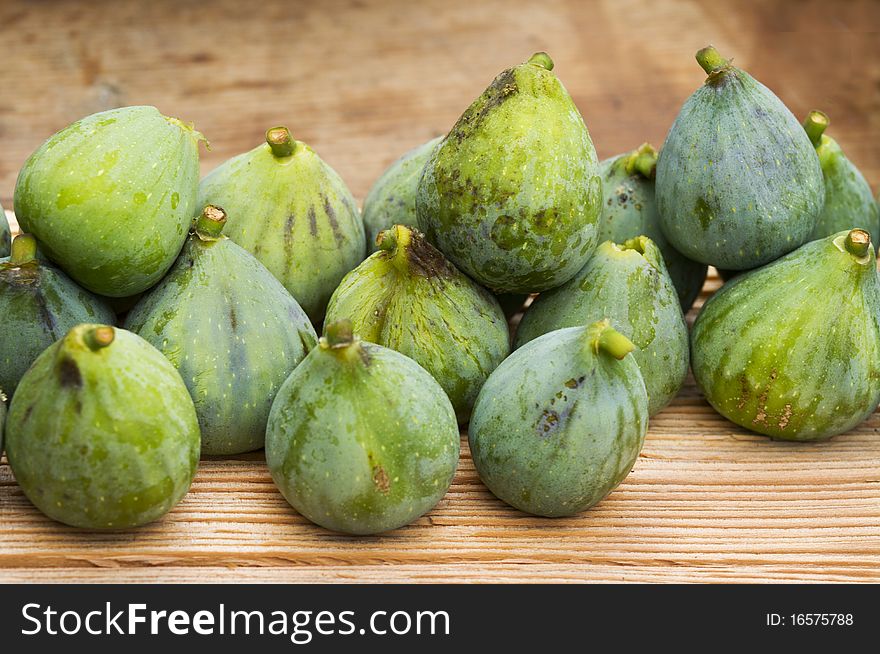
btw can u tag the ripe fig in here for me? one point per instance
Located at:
(292, 212)
(102, 433)
(230, 328)
(5, 234)
(560, 422)
(361, 439)
(111, 197)
(738, 181)
(629, 285)
(792, 350)
(512, 194)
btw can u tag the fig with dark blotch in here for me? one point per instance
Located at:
(5, 234)
(361, 439)
(792, 350)
(409, 298)
(560, 422)
(512, 194)
(738, 181)
(101, 432)
(232, 331)
(39, 304)
(292, 212)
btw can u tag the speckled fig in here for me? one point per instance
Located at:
(630, 210)
(392, 200)
(512, 194)
(849, 202)
(560, 422)
(232, 331)
(102, 433)
(738, 181)
(111, 197)
(361, 439)
(408, 297)
(629, 285)
(5, 234)
(39, 304)
(292, 212)
(792, 350)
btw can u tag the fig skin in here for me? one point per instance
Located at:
(111, 197)
(392, 199)
(102, 435)
(512, 194)
(560, 422)
(630, 210)
(5, 234)
(361, 439)
(293, 213)
(39, 305)
(231, 329)
(792, 350)
(738, 181)
(409, 298)
(629, 285)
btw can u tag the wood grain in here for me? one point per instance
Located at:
(362, 82)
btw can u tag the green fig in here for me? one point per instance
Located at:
(792, 350)
(39, 305)
(102, 433)
(230, 328)
(111, 197)
(738, 181)
(5, 234)
(409, 298)
(849, 202)
(292, 212)
(361, 439)
(392, 200)
(630, 210)
(560, 423)
(629, 285)
(512, 194)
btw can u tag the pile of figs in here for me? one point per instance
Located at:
(149, 318)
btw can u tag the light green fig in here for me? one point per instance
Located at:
(39, 304)
(230, 328)
(102, 433)
(111, 197)
(392, 200)
(361, 439)
(738, 181)
(849, 202)
(792, 350)
(630, 210)
(5, 234)
(512, 194)
(292, 212)
(409, 298)
(627, 284)
(560, 422)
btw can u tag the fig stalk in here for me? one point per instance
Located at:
(643, 161)
(541, 59)
(858, 242)
(24, 250)
(99, 337)
(281, 142)
(210, 223)
(710, 60)
(815, 125)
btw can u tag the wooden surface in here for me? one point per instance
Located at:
(363, 82)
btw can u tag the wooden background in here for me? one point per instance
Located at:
(362, 82)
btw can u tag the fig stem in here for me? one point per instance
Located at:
(605, 338)
(280, 140)
(395, 241)
(541, 59)
(24, 249)
(710, 60)
(857, 242)
(815, 125)
(99, 337)
(338, 334)
(643, 161)
(210, 223)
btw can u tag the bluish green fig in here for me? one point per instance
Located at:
(39, 304)
(792, 350)
(738, 181)
(560, 422)
(849, 202)
(5, 234)
(392, 200)
(361, 439)
(629, 285)
(512, 194)
(292, 212)
(102, 433)
(409, 298)
(230, 328)
(111, 197)
(630, 210)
